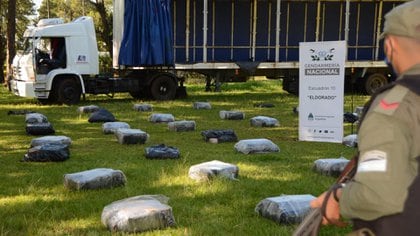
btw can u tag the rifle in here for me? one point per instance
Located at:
(312, 221)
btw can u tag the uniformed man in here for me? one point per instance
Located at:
(384, 195)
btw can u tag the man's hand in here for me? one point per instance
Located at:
(332, 210)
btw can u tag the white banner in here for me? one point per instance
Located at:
(321, 91)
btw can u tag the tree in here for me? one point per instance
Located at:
(105, 29)
(2, 43)
(48, 9)
(99, 10)
(10, 34)
(68, 10)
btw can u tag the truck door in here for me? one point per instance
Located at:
(50, 54)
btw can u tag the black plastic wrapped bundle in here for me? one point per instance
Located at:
(220, 136)
(162, 151)
(40, 128)
(48, 152)
(102, 115)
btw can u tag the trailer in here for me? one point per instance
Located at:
(156, 42)
(230, 39)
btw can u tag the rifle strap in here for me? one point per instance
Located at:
(334, 191)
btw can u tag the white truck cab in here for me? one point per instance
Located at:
(56, 57)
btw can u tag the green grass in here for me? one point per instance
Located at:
(33, 200)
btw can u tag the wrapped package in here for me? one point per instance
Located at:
(111, 127)
(182, 125)
(330, 166)
(102, 115)
(208, 170)
(349, 117)
(48, 152)
(262, 145)
(202, 105)
(131, 136)
(53, 139)
(285, 209)
(142, 107)
(94, 179)
(39, 128)
(264, 121)
(87, 109)
(138, 214)
(264, 105)
(350, 140)
(219, 136)
(35, 118)
(232, 115)
(162, 151)
(161, 118)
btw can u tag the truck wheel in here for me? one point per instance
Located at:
(163, 88)
(374, 81)
(68, 91)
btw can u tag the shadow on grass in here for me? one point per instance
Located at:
(35, 202)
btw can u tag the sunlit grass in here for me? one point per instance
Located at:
(33, 200)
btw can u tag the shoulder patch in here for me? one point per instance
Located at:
(391, 101)
(373, 161)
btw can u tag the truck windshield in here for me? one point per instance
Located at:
(27, 45)
(43, 44)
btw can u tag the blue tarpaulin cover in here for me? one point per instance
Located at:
(147, 38)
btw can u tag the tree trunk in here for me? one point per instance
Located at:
(106, 34)
(11, 32)
(2, 44)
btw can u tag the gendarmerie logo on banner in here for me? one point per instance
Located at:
(321, 90)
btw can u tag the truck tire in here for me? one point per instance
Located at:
(373, 82)
(163, 87)
(67, 91)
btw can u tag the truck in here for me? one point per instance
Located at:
(157, 42)
(61, 60)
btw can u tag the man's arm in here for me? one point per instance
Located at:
(383, 174)
(310, 225)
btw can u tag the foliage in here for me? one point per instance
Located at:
(33, 200)
(70, 10)
(67, 10)
(105, 63)
(24, 8)
(103, 21)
